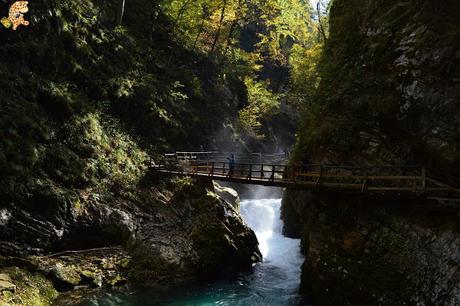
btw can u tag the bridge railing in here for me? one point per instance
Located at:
(364, 179)
(218, 156)
(375, 179)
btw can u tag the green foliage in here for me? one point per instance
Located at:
(99, 96)
(305, 76)
(262, 104)
(256, 40)
(288, 23)
(110, 154)
(102, 96)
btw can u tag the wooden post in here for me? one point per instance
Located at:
(181, 167)
(223, 168)
(249, 177)
(366, 176)
(272, 177)
(320, 178)
(424, 180)
(296, 172)
(212, 169)
(262, 172)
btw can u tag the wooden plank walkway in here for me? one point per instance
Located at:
(404, 181)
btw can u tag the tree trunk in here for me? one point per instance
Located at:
(181, 11)
(321, 27)
(122, 12)
(230, 35)
(155, 12)
(200, 31)
(222, 17)
(233, 27)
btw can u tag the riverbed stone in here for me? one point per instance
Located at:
(65, 277)
(228, 194)
(5, 277)
(7, 286)
(117, 280)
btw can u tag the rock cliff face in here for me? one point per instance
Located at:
(363, 252)
(389, 90)
(180, 232)
(389, 94)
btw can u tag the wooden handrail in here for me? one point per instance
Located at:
(368, 179)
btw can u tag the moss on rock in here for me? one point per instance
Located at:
(31, 288)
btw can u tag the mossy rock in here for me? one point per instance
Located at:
(117, 280)
(65, 278)
(5, 277)
(31, 289)
(7, 286)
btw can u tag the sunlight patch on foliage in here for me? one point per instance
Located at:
(262, 103)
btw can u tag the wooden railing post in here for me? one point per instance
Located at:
(272, 177)
(249, 177)
(294, 173)
(223, 168)
(320, 178)
(262, 175)
(212, 169)
(424, 180)
(366, 177)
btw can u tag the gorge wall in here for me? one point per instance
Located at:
(389, 88)
(364, 251)
(389, 94)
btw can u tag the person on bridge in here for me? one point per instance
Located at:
(231, 163)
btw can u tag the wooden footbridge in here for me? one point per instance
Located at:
(272, 170)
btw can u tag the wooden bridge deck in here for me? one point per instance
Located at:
(406, 181)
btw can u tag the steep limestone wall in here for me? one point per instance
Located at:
(375, 252)
(389, 94)
(389, 90)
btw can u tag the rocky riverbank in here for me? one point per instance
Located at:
(375, 252)
(181, 232)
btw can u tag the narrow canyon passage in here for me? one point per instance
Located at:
(145, 147)
(275, 281)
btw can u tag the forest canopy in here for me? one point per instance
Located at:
(260, 40)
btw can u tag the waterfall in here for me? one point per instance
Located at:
(278, 277)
